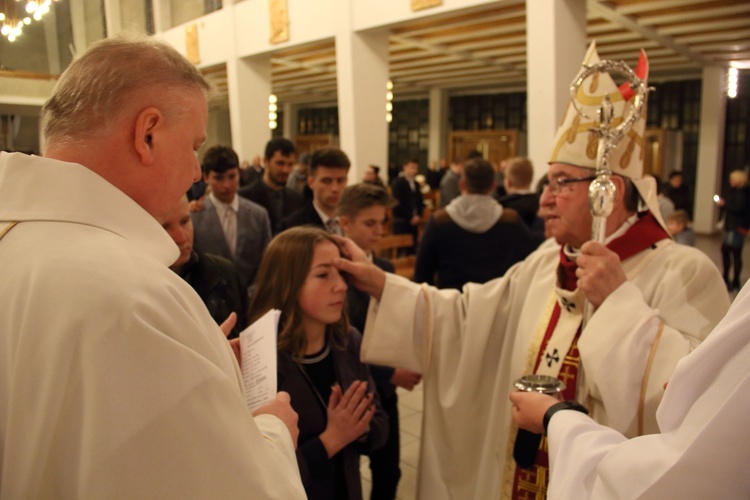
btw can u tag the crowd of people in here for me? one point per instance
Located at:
(119, 380)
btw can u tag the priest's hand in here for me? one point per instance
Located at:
(281, 407)
(228, 324)
(363, 274)
(351, 250)
(599, 272)
(349, 416)
(528, 409)
(226, 328)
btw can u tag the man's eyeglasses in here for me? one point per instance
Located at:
(558, 185)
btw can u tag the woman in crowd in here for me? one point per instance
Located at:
(318, 362)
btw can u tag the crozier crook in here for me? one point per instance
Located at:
(610, 132)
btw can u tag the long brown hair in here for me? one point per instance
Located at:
(282, 273)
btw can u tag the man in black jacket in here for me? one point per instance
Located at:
(408, 212)
(270, 191)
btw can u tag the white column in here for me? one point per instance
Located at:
(163, 15)
(113, 17)
(710, 148)
(42, 141)
(362, 75)
(555, 45)
(217, 129)
(290, 120)
(78, 24)
(52, 43)
(249, 82)
(438, 125)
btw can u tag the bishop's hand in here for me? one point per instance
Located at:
(599, 272)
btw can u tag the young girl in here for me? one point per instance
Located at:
(318, 362)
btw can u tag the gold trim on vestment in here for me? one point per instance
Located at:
(427, 330)
(427, 348)
(509, 472)
(536, 340)
(8, 228)
(644, 384)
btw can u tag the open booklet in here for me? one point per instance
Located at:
(258, 347)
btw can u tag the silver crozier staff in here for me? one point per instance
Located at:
(610, 132)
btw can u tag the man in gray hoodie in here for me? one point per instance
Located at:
(473, 239)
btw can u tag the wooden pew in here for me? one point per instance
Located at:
(404, 266)
(389, 245)
(388, 248)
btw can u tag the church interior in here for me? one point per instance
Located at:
(432, 80)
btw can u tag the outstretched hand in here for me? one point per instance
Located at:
(362, 273)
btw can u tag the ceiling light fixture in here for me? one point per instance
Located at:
(732, 82)
(389, 101)
(14, 15)
(272, 116)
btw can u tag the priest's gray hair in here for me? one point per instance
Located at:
(98, 84)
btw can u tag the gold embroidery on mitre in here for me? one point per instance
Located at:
(642, 143)
(573, 130)
(627, 155)
(592, 145)
(594, 84)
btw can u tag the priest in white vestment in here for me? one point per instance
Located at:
(703, 446)
(115, 382)
(654, 302)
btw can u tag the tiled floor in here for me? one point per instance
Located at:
(410, 403)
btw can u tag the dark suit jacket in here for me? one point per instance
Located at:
(220, 287)
(253, 235)
(357, 304)
(316, 469)
(250, 175)
(527, 205)
(257, 192)
(305, 216)
(410, 202)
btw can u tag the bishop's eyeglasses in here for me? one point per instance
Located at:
(558, 185)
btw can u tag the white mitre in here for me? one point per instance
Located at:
(575, 143)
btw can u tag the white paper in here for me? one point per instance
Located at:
(258, 348)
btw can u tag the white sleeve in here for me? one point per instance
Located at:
(577, 445)
(395, 326)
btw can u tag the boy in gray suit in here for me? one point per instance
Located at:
(230, 226)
